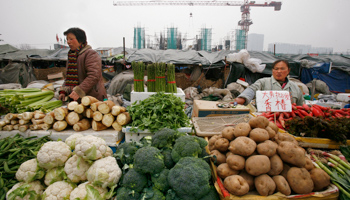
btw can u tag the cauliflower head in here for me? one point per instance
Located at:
(29, 171)
(54, 175)
(70, 141)
(92, 148)
(104, 172)
(76, 168)
(53, 154)
(83, 191)
(25, 189)
(59, 190)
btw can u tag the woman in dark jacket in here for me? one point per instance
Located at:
(84, 69)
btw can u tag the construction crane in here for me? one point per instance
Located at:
(244, 23)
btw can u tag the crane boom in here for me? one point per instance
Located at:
(244, 23)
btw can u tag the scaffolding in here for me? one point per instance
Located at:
(139, 38)
(240, 39)
(206, 39)
(172, 38)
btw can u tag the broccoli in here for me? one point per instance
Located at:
(188, 146)
(125, 153)
(168, 161)
(134, 180)
(152, 194)
(160, 180)
(149, 160)
(212, 194)
(124, 193)
(165, 138)
(171, 195)
(190, 178)
(145, 141)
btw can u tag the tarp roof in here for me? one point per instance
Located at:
(23, 55)
(6, 48)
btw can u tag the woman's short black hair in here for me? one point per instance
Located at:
(280, 60)
(79, 34)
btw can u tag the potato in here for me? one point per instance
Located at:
(291, 153)
(222, 144)
(224, 171)
(308, 164)
(259, 135)
(212, 140)
(227, 133)
(285, 170)
(274, 127)
(276, 165)
(299, 180)
(257, 165)
(229, 153)
(242, 146)
(265, 185)
(236, 185)
(267, 148)
(282, 185)
(320, 178)
(235, 162)
(280, 137)
(249, 178)
(242, 129)
(258, 122)
(271, 132)
(218, 158)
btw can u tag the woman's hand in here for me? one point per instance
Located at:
(239, 100)
(62, 97)
(74, 96)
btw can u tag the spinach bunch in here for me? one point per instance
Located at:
(158, 111)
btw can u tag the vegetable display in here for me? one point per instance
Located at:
(148, 174)
(66, 174)
(158, 111)
(248, 158)
(15, 151)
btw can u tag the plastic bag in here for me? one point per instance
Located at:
(253, 64)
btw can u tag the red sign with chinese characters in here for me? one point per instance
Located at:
(273, 101)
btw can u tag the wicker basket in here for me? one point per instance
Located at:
(41, 74)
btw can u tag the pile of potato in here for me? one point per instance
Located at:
(255, 156)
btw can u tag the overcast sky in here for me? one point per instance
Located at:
(320, 23)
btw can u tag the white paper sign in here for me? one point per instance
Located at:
(273, 101)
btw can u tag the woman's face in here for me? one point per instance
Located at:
(72, 41)
(280, 71)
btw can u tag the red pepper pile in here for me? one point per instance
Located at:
(305, 110)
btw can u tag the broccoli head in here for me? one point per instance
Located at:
(125, 153)
(190, 178)
(134, 180)
(171, 195)
(188, 146)
(212, 194)
(160, 180)
(152, 194)
(124, 193)
(165, 138)
(168, 160)
(145, 141)
(149, 160)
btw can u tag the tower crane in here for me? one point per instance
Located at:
(245, 5)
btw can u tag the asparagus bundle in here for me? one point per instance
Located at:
(171, 85)
(160, 77)
(139, 72)
(151, 81)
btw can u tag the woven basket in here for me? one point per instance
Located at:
(41, 74)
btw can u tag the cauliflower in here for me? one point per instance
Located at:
(76, 168)
(104, 172)
(81, 192)
(29, 171)
(59, 190)
(53, 154)
(25, 189)
(92, 148)
(70, 141)
(54, 175)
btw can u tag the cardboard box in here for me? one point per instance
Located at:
(55, 77)
(203, 108)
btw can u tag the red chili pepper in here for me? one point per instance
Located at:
(300, 107)
(293, 113)
(303, 112)
(225, 193)
(306, 107)
(298, 113)
(316, 112)
(286, 114)
(320, 107)
(281, 119)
